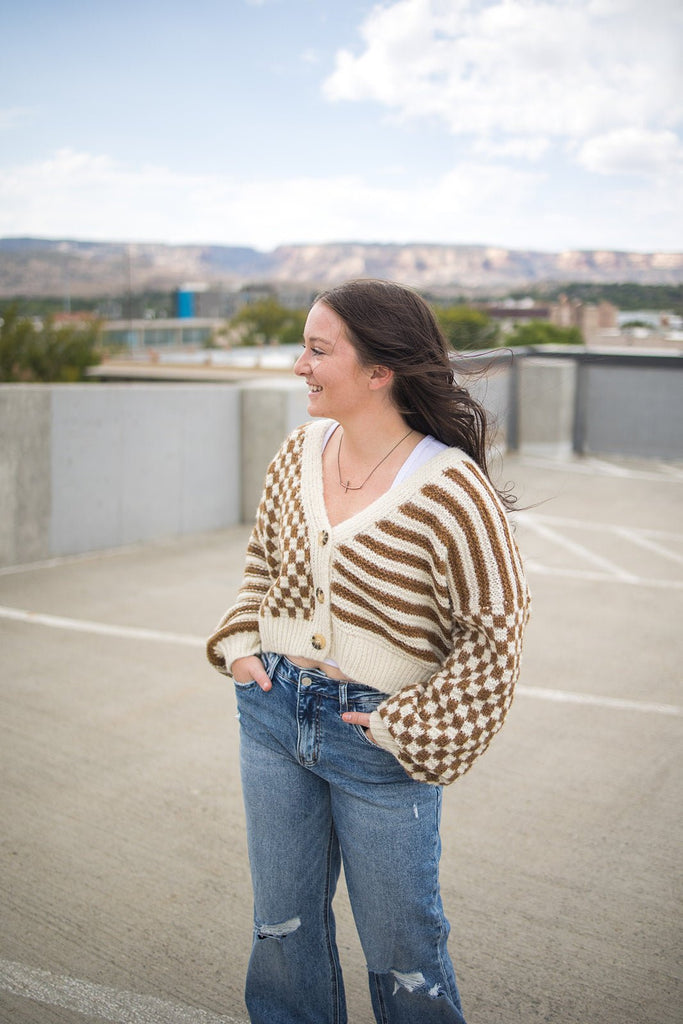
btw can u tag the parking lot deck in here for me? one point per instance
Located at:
(125, 885)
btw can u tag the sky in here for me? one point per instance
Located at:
(527, 124)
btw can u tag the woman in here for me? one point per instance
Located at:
(374, 645)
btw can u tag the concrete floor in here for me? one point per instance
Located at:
(124, 884)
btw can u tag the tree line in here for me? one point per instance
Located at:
(35, 351)
(464, 327)
(38, 352)
(626, 296)
(30, 351)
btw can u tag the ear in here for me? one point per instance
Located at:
(380, 377)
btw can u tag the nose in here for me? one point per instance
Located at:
(301, 365)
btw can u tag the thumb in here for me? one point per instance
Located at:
(263, 679)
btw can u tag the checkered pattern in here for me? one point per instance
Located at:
(286, 536)
(443, 725)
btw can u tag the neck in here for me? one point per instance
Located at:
(368, 437)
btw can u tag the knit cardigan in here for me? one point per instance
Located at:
(421, 596)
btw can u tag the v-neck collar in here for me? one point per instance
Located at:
(314, 495)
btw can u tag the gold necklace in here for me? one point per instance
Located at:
(347, 486)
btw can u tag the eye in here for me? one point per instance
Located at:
(314, 351)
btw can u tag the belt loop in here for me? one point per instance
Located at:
(343, 698)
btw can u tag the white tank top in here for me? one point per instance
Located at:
(421, 453)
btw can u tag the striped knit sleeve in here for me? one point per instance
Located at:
(438, 728)
(237, 633)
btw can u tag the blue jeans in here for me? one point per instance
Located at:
(318, 793)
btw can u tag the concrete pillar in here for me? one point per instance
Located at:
(25, 478)
(271, 409)
(545, 406)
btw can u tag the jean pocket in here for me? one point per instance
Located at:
(365, 701)
(249, 685)
(363, 733)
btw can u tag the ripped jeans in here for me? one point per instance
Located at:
(318, 793)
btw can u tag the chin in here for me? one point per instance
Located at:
(315, 407)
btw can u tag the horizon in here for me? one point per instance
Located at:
(57, 240)
(544, 125)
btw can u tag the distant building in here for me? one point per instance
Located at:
(77, 319)
(591, 319)
(139, 335)
(511, 313)
(199, 300)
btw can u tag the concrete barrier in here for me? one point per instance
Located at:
(91, 466)
(25, 474)
(545, 406)
(604, 403)
(270, 410)
(87, 466)
(631, 409)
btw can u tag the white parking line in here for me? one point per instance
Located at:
(92, 1000)
(599, 577)
(102, 628)
(576, 549)
(126, 632)
(591, 525)
(636, 537)
(59, 560)
(564, 697)
(661, 542)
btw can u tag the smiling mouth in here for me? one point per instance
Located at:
(314, 389)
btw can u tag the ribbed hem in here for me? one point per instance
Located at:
(375, 664)
(237, 647)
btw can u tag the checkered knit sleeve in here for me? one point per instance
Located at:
(438, 728)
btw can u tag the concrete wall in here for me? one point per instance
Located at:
(492, 387)
(577, 401)
(635, 410)
(91, 466)
(270, 410)
(86, 466)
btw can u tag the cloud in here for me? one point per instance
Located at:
(511, 73)
(531, 148)
(633, 151)
(90, 196)
(83, 195)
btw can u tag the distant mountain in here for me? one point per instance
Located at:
(39, 267)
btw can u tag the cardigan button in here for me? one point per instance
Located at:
(323, 538)
(320, 595)
(318, 641)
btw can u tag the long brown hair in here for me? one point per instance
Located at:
(391, 325)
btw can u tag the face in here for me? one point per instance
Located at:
(338, 385)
